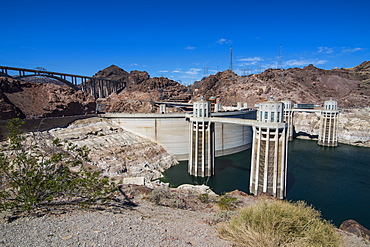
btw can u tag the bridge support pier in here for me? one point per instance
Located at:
(202, 144)
(269, 151)
(328, 135)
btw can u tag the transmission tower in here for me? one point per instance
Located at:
(280, 63)
(280, 58)
(231, 59)
(259, 68)
(205, 70)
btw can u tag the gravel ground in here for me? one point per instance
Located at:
(145, 225)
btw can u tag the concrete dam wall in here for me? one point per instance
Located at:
(173, 131)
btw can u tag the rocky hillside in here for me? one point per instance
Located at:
(140, 92)
(350, 87)
(29, 99)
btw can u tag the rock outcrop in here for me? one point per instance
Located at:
(115, 152)
(28, 99)
(116, 73)
(217, 86)
(355, 228)
(141, 92)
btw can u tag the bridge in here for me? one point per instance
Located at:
(97, 87)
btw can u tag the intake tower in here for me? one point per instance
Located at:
(202, 141)
(269, 151)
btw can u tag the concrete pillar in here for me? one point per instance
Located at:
(217, 106)
(239, 105)
(328, 135)
(288, 118)
(202, 145)
(162, 108)
(269, 151)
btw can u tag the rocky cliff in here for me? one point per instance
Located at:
(29, 99)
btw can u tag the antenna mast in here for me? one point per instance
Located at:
(231, 59)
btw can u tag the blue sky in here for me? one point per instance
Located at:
(183, 40)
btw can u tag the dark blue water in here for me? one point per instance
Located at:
(335, 181)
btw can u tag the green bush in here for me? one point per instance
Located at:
(227, 202)
(31, 176)
(280, 223)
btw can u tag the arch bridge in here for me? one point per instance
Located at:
(97, 87)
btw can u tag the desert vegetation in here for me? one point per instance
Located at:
(279, 223)
(31, 177)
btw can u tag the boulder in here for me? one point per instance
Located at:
(356, 228)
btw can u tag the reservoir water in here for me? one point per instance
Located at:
(335, 180)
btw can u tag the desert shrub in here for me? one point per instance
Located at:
(280, 223)
(227, 202)
(163, 196)
(203, 197)
(31, 176)
(222, 216)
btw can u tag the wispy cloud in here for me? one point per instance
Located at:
(163, 71)
(193, 71)
(303, 62)
(134, 64)
(190, 47)
(250, 59)
(325, 50)
(224, 41)
(350, 50)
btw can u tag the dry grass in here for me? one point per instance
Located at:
(280, 223)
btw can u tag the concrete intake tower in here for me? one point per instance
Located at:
(202, 139)
(269, 151)
(328, 135)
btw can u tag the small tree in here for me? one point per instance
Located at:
(31, 176)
